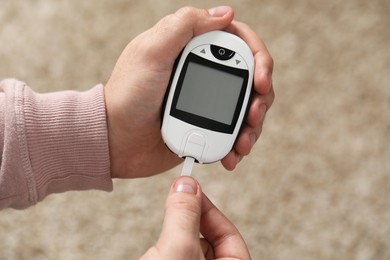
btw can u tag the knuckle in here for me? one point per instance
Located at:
(186, 12)
(191, 15)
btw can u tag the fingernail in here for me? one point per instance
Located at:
(238, 158)
(219, 11)
(263, 110)
(252, 138)
(186, 184)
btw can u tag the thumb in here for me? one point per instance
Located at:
(170, 35)
(180, 232)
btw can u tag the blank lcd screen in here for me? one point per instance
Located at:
(210, 93)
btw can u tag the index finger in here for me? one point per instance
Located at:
(223, 236)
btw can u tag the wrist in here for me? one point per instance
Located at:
(67, 140)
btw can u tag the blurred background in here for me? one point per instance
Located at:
(316, 185)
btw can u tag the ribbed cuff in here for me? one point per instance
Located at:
(67, 142)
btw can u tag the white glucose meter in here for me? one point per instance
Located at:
(208, 96)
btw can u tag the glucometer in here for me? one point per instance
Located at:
(208, 97)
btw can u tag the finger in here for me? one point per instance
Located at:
(222, 235)
(253, 125)
(242, 147)
(231, 160)
(247, 140)
(180, 232)
(207, 249)
(248, 134)
(263, 61)
(263, 73)
(263, 97)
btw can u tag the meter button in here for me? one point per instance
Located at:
(221, 53)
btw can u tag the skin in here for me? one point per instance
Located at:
(134, 95)
(135, 91)
(188, 213)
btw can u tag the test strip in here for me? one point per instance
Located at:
(187, 166)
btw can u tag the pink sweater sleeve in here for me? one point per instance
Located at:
(51, 143)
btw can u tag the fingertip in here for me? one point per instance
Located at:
(245, 141)
(221, 11)
(238, 158)
(254, 117)
(263, 73)
(199, 19)
(252, 138)
(230, 161)
(186, 184)
(218, 18)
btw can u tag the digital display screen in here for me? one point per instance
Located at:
(210, 93)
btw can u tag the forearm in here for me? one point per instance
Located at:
(51, 143)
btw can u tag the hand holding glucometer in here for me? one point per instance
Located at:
(207, 97)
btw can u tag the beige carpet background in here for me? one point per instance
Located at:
(317, 184)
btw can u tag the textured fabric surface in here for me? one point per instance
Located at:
(316, 184)
(53, 142)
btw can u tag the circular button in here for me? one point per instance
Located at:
(221, 53)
